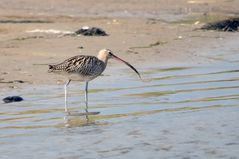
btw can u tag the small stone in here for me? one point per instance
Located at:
(13, 87)
(197, 22)
(80, 47)
(180, 37)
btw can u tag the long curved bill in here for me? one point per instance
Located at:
(119, 59)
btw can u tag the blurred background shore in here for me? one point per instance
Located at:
(154, 32)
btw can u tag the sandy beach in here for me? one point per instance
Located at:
(146, 32)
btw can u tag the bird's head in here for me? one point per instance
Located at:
(106, 54)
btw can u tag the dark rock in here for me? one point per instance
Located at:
(11, 99)
(91, 31)
(80, 47)
(229, 25)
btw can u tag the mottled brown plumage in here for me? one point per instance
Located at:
(86, 67)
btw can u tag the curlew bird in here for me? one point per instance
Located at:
(85, 68)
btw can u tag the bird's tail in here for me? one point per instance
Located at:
(51, 68)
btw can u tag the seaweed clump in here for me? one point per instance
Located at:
(228, 25)
(91, 31)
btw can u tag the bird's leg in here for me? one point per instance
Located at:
(86, 97)
(68, 82)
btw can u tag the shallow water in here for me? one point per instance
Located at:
(177, 112)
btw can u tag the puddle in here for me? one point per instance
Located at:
(180, 112)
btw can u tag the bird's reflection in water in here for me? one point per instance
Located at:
(79, 119)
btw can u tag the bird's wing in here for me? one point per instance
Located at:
(82, 64)
(66, 65)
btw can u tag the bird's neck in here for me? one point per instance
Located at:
(102, 58)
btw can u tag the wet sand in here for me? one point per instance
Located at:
(182, 113)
